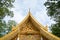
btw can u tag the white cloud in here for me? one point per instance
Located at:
(30, 3)
(43, 18)
(18, 17)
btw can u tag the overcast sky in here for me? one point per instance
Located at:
(37, 8)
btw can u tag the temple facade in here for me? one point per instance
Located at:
(30, 29)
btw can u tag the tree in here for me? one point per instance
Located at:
(53, 10)
(9, 25)
(2, 28)
(5, 6)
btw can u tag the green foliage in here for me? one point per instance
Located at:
(6, 27)
(2, 26)
(55, 29)
(53, 10)
(10, 23)
(5, 6)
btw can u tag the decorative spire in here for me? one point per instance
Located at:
(29, 10)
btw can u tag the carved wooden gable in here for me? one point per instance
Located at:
(28, 28)
(28, 31)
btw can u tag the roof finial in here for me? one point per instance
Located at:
(29, 10)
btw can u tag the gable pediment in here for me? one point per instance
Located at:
(29, 28)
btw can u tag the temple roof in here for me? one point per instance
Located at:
(30, 19)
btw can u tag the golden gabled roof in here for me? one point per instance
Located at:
(29, 18)
(32, 20)
(39, 26)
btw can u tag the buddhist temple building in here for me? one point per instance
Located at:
(29, 29)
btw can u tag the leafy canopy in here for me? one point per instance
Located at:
(53, 10)
(5, 6)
